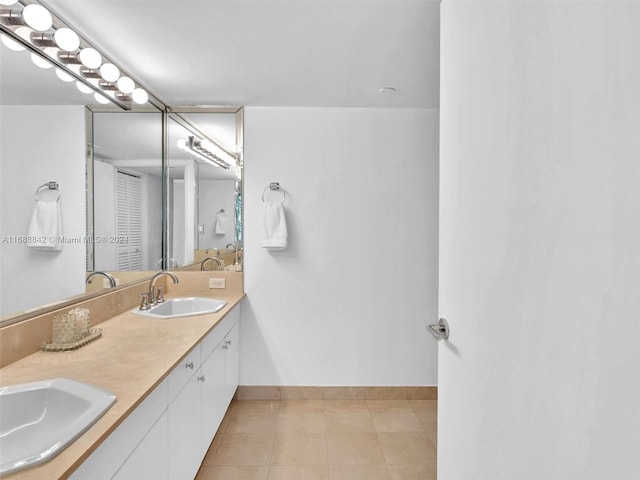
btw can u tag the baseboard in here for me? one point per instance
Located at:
(266, 392)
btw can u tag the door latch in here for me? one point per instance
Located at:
(439, 331)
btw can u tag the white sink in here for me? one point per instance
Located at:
(38, 420)
(183, 307)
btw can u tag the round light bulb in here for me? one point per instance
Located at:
(182, 143)
(83, 88)
(90, 58)
(66, 39)
(101, 98)
(109, 72)
(8, 2)
(64, 76)
(52, 52)
(40, 62)
(37, 17)
(126, 85)
(140, 96)
(11, 44)
(24, 32)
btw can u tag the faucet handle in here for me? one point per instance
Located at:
(159, 296)
(144, 303)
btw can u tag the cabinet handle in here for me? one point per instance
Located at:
(189, 365)
(228, 342)
(201, 378)
(225, 347)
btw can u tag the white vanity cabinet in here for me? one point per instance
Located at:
(168, 434)
(147, 460)
(131, 437)
(197, 410)
(232, 362)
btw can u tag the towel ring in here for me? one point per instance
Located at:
(274, 187)
(48, 186)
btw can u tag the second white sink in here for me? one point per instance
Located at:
(39, 419)
(183, 307)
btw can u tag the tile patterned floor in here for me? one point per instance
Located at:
(324, 440)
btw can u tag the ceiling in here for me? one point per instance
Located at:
(282, 53)
(311, 53)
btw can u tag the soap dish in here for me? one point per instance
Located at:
(94, 334)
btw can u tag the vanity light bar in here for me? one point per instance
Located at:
(195, 147)
(27, 25)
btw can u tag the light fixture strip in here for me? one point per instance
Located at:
(176, 115)
(192, 148)
(57, 63)
(122, 101)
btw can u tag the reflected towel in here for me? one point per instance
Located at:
(274, 226)
(221, 221)
(45, 228)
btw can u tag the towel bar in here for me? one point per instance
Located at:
(48, 186)
(275, 187)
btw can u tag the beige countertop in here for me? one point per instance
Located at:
(133, 356)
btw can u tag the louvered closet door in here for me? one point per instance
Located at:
(129, 221)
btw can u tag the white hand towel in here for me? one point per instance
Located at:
(45, 228)
(274, 226)
(221, 220)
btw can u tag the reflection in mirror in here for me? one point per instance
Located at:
(205, 214)
(127, 192)
(42, 139)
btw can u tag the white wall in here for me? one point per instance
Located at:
(178, 214)
(348, 301)
(104, 215)
(40, 144)
(540, 240)
(152, 236)
(214, 195)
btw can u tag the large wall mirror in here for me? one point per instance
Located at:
(126, 203)
(205, 190)
(42, 140)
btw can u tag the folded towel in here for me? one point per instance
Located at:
(274, 226)
(45, 228)
(221, 221)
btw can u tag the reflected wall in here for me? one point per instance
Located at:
(32, 152)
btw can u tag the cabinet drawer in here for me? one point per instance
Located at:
(215, 336)
(181, 374)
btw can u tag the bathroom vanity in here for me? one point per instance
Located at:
(173, 379)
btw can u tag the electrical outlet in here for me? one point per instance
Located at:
(217, 282)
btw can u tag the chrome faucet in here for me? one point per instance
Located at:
(112, 281)
(152, 294)
(215, 259)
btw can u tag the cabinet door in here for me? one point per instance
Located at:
(114, 451)
(214, 403)
(149, 459)
(183, 416)
(231, 362)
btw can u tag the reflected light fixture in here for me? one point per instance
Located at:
(193, 145)
(28, 25)
(64, 76)
(11, 44)
(40, 62)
